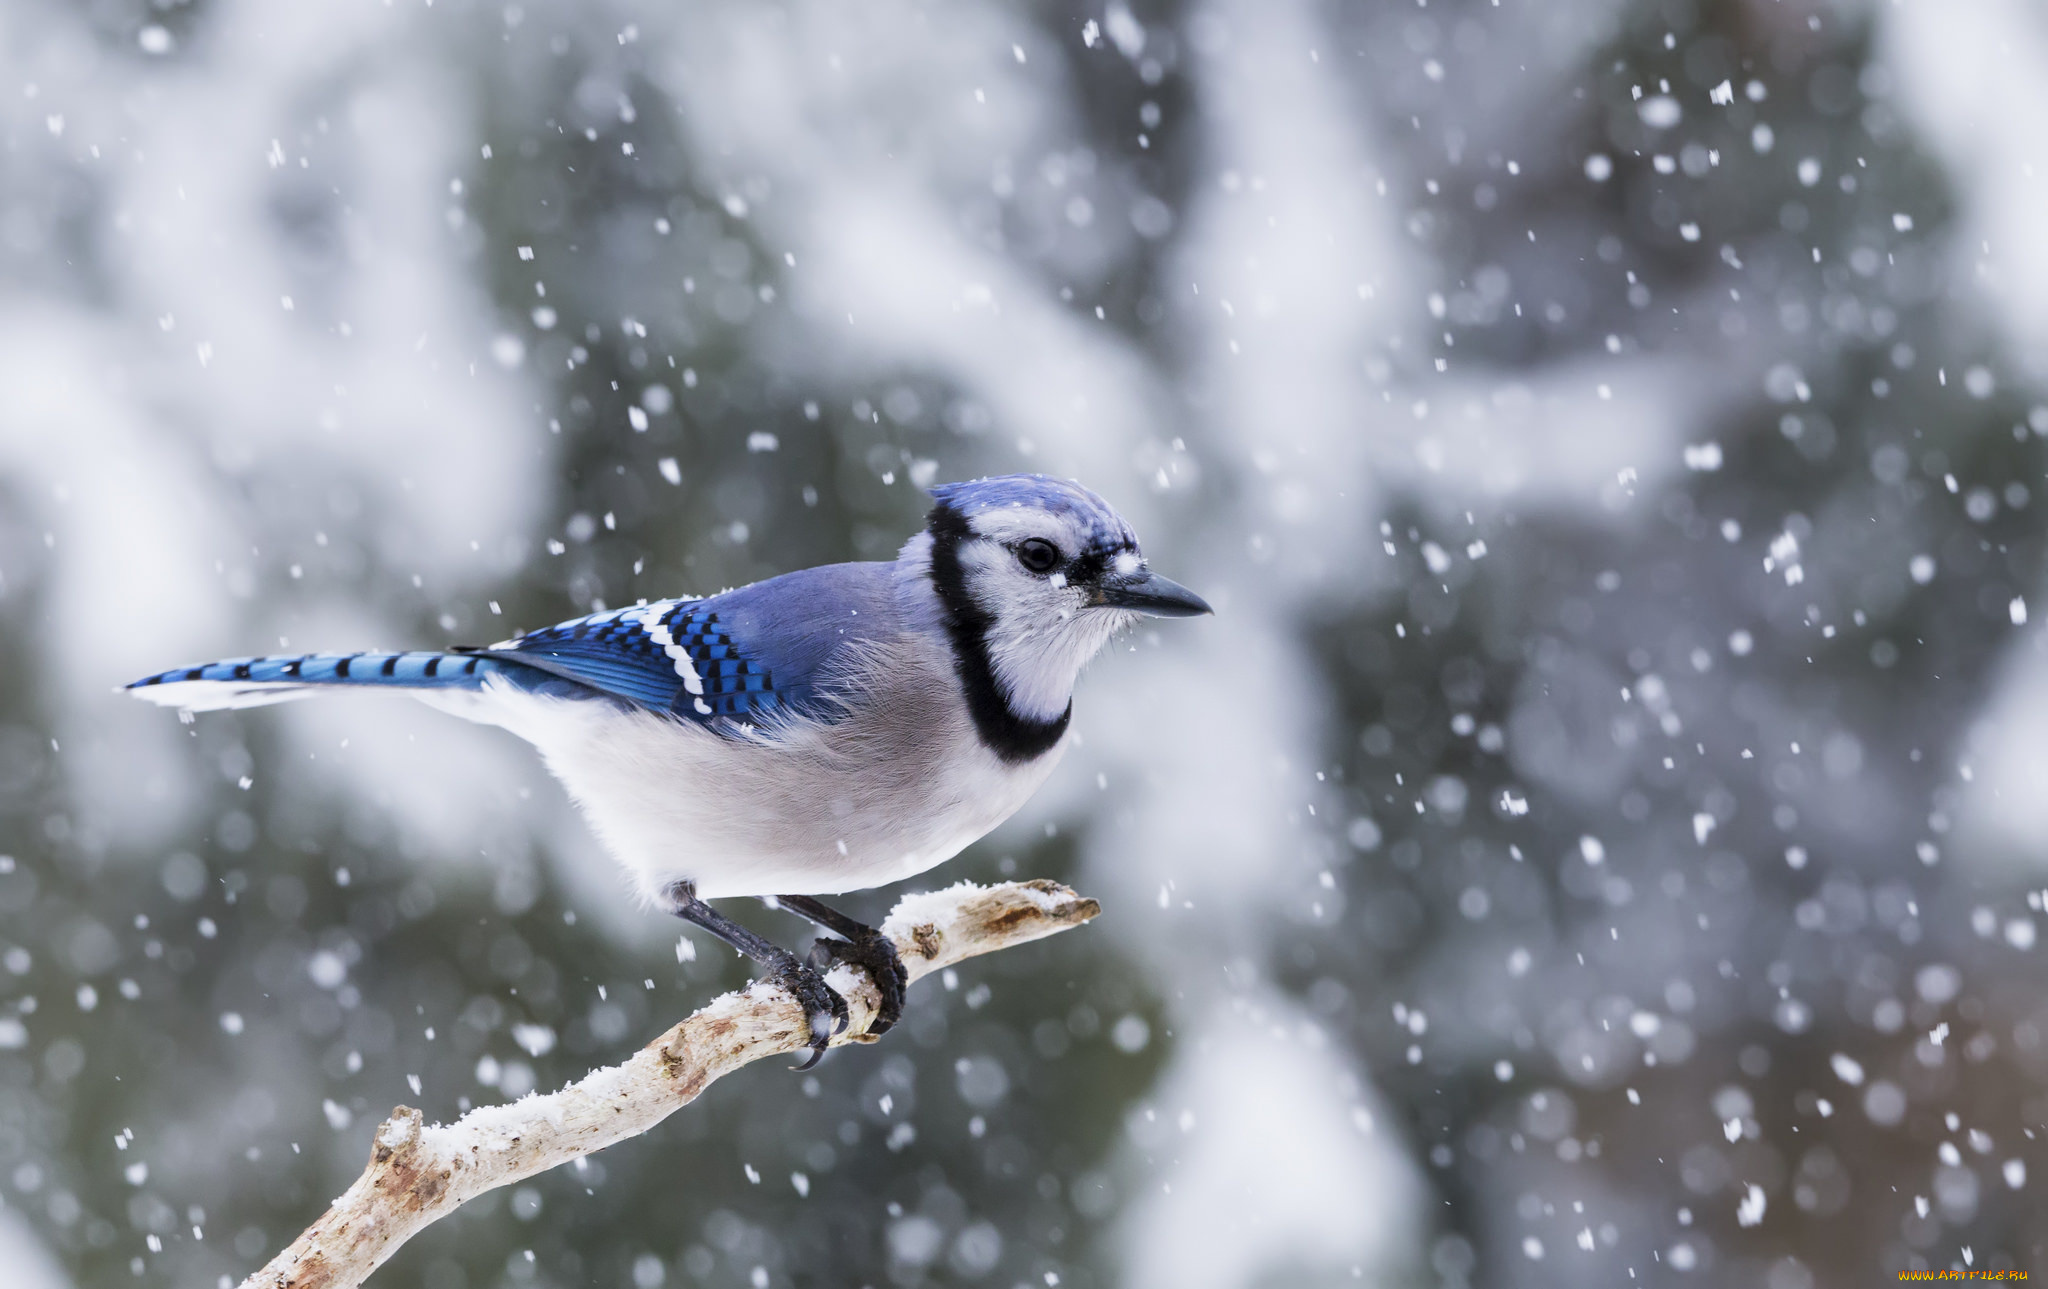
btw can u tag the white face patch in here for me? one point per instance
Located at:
(1041, 631)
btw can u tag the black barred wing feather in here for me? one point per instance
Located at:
(672, 656)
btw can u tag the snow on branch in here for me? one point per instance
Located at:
(419, 1173)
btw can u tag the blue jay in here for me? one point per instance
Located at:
(823, 731)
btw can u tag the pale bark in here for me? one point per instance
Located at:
(419, 1173)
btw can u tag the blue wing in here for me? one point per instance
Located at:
(767, 652)
(754, 655)
(672, 655)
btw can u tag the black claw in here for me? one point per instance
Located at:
(824, 1010)
(874, 953)
(821, 957)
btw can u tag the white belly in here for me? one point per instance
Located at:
(815, 810)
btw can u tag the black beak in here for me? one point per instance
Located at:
(1146, 592)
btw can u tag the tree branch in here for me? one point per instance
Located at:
(418, 1173)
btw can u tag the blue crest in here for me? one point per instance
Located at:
(1106, 529)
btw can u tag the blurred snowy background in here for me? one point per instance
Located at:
(1599, 840)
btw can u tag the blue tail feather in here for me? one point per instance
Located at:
(250, 682)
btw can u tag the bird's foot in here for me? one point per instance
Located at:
(874, 953)
(824, 1010)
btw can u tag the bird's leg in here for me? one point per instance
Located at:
(824, 1010)
(864, 947)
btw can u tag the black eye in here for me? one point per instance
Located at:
(1037, 554)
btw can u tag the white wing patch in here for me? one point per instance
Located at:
(651, 622)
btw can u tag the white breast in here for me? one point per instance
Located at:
(900, 784)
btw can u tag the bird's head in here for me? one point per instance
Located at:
(1037, 574)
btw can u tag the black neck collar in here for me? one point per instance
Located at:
(1014, 738)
